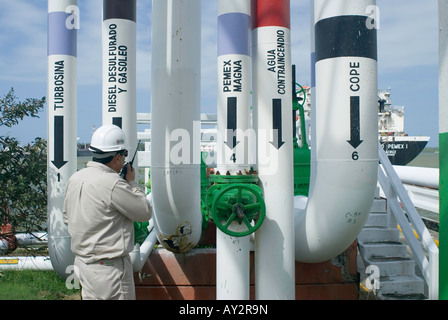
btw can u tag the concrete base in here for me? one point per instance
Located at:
(192, 276)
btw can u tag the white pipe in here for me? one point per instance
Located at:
(313, 91)
(26, 239)
(175, 123)
(233, 122)
(3, 246)
(32, 239)
(419, 176)
(443, 142)
(63, 19)
(119, 68)
(234, 73)
(344, 169)
(141, 252)
(232, 265)
(443, 79)
(272, 105)
(42, 263)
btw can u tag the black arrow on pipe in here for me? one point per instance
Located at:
(231, 141)
(355, 134)
(277, 123)
(59, 142)
(118, 121)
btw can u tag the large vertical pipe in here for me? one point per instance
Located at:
(272, 78)
(313, 83)
(63, 18)
(313, 100)
(119, 68)
(234, 98)
(443, 146)
(345, 162)
(175, 125)
(232, 256)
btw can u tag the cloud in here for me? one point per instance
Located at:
(144, 18)
(89, 43)
(24, 41)
(408, 34)
(209, 55)
(301, 40)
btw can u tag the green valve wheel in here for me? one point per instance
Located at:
(241, 203)
(301, 95)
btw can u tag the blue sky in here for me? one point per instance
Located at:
(407, 59)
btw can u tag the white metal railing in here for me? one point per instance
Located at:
(409, 220)
(424, 198)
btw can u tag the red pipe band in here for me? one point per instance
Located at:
(268, 13)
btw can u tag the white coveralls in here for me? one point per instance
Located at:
(99, 209)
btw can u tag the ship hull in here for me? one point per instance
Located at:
(402, 150)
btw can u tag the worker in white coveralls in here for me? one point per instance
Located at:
(99, 209)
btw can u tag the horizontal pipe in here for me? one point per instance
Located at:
(32, 239)
(25, 239)
(41, 263)
(3, 246)
(419, 176)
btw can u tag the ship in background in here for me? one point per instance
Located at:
(399, 147)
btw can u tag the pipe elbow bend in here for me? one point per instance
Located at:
(177, 208)
(61, 256)
(337, 208)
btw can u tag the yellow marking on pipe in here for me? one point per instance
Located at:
(9, 261)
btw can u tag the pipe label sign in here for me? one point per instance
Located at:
(276, 62)
(62, 109)
(233, 108)
(232, 76)
(355, 120)
(117, 68)
(58, 88)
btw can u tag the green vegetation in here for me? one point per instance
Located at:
(35, 285)
(428, 158)
(23, 203)
(23, 169)
(431, 149)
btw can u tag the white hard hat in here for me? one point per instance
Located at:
(108, 138)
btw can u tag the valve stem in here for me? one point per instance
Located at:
(239, 211)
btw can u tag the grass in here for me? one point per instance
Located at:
(35, 285)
